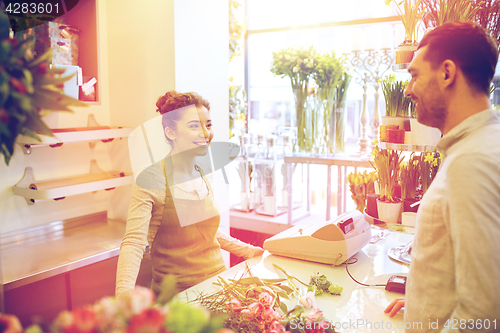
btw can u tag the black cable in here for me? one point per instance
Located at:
(363, 284)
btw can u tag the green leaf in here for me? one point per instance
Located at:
(283, 307)
(168, 289)
(36, 124)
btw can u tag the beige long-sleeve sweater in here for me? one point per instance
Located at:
(144, 218)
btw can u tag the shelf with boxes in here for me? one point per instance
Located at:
(73, 39)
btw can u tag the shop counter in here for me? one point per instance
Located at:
(358, 308)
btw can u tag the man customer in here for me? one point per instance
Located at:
(453, 283)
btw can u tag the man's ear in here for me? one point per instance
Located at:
(448, 73)
(169, 133)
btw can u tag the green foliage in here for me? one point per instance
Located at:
(299, 64)
(237, 94)
(410, 15)
(409, 175)
(320, 284)
(27, 86)
(236, 30)
(328, 71)
(237, 107)
(396, 103)
(455, 10)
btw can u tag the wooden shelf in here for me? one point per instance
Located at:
(60, 188)
(405, 147)
(77, 135)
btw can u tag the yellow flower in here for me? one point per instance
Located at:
(429, 158)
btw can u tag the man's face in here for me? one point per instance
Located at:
(425, 92)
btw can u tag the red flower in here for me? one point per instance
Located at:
(42, 68)
(18, 85)
(234, 305)
(148, 321)
(84, 321)
(4, 116)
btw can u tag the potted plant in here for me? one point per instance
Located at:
(28, 89)
(396, 108)
(410, 15)
(386, 162)
(298, 64)
(361, 184)
(409, 174)
(430, 161)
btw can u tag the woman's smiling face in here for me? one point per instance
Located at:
(193, 132)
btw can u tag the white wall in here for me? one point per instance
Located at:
(201, 65)
(144, 51)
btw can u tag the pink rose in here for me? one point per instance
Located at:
(266, 300)
(234, 305)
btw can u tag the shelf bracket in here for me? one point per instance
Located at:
(28, 181)
(92, 122)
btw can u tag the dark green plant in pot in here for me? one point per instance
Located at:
(28, 88)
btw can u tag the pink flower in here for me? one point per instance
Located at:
(247, 314)
(135, 301)
(270, 315)
(234, 305)
(266, 300)
(276, 326)
(255, 308)
(149, 320)
(308, 301)
(83, 321)
(315, 315)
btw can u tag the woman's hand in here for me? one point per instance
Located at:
(395, 306)
(258, 251)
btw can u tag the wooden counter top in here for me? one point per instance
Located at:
(41, 252)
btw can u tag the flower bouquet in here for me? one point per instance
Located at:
(134, 312)
(360, 185)
(254, 305)
(298, 64)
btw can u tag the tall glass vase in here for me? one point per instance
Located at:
(303, 143)
(326, 104)
(340, 124)
(336, 133)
